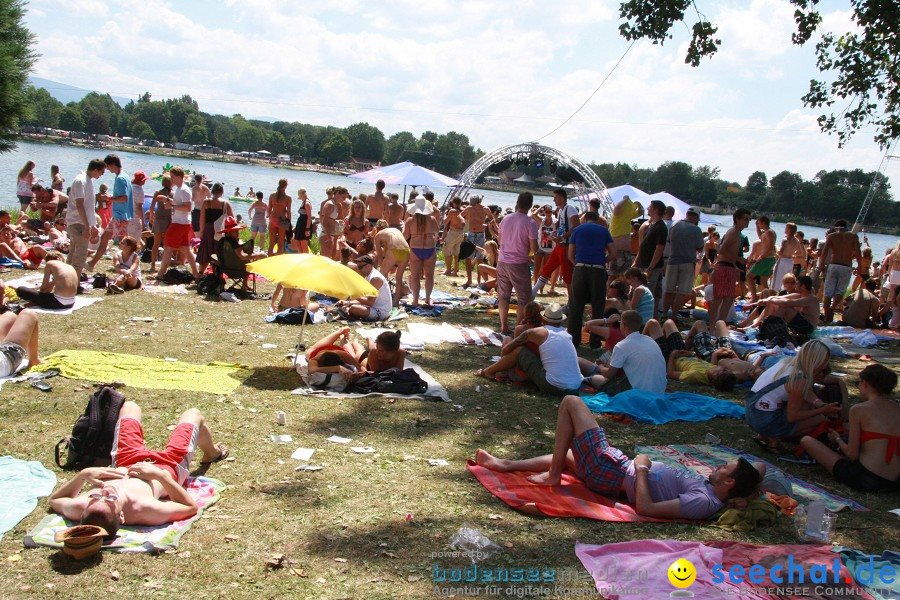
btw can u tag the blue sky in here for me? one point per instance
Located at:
(500, 73)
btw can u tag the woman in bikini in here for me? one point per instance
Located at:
(421, 231)
(870, 460)
(303, 230)
(279, 217)
(329, 217)
(356, 227)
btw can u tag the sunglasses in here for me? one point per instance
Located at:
(104, 496)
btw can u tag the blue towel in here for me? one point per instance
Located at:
(875, 585)
(424, 311)
(22, 484)
(9, 262)
(647, 407)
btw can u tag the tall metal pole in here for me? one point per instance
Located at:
(873, 188)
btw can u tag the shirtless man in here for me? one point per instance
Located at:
(330, 214)
(199, 195)
(716, 348)
(377, 203)
(59, 287)
(474, 215)
(765, 257)
(725, 274)
(48, 202)
(790, 246)
(285, 297)
(342, 197)
(843, 247)
(57, 234)
(142, 487)
(396, 212)
(391, 250)
(454, 227)
(14, 248)
(800, 311)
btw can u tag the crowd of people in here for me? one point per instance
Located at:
(644, 280)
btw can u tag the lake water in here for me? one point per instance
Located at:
(72, 160)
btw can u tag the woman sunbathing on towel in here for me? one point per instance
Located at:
(384, 352)
(326, 356)
(655, 489)
(142, 487)
(870, 460)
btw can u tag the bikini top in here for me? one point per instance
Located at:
(355, 228)
(893, 447)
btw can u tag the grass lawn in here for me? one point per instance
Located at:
(366, 525)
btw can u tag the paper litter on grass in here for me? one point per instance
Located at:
(438, 462)
(339, 440)
(303, 453)
(308, 468)
(282, 439)
(363, 449)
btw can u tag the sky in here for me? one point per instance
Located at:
(499, 73)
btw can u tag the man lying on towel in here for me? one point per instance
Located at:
(655, 489)
(142, 487)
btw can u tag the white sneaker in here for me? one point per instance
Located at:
(229, 297)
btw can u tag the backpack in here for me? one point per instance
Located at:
(101, 281)
(210, 284)
(177, 276)
(92, 436)
(775, 330)
(390, 381)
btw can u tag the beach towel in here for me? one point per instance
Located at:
(407, 340)
(881, 590)
(569, 499)
(11, 263)
(439, 297)
(703, 458)
(22, 482)
(424, 311)
(154, 287)
(133, 538)
(455, 334)
(435, 390)
(145, 372)
(758, 513)
(645, 563)
(647, 407)
(80, 302)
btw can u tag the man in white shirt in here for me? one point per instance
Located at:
(178, 235)
(638, 356)
(81, 215)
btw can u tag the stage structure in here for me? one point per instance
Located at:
(579, 179)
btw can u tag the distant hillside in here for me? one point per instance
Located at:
(67, 93)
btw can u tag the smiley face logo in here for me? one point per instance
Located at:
(682, 573)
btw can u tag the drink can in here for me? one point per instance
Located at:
(281, 418)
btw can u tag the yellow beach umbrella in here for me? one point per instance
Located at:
(314, 273)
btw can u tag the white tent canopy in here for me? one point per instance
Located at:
(644, 199)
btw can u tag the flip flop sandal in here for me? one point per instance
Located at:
(222, 455)
(48, 374)
(41, 385)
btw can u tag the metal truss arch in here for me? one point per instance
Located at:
(589, 187)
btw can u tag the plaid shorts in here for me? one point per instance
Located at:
(600, 466)
(704, 345)
(669, 344)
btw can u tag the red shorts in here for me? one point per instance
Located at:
(615, 336)
(29, 256)
(178, 235)
(724, 280)
(558, 258)
(129, 448)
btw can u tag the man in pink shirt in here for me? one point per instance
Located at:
(518, 241)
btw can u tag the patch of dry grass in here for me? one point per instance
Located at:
(344, 529)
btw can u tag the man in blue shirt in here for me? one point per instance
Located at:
(590, 247)
(122, 208)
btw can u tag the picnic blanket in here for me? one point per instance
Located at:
(154, 287)
(435, 390)
(22, 482)
(647, 407)
(645, 563)
(456, 334)
(569, 499)
(881, 590)
(145, 372)
(132, 538)
(407, 340)
(80, 302)
(703, 458)
(438, 296)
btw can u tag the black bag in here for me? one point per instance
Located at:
(466, 249)
(92, 436)
(177, 276)
(390, 381)
(210, 284)
(775, 330)
(100, 281)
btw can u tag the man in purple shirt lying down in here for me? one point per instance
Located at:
(655, 489)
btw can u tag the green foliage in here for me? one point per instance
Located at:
(43, 109)
(16, 60)
(70, 119)
(399, 147)
(296, 145)
(336, 148)
(862, 66)
(757, 182)
(367, 141)
(142, 131)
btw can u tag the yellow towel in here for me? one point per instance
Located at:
(759, 513)
(147, 373)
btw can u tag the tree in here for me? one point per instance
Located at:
(16, 60)
(863, 66)
(43, 109)
(673, 177)
(296, 145)
(156, 115)
(250, 137)
(757, 182)
(274, 142)
(70, 118)
(142, 131)
(785, 188)
(397, 147)
(336, 148)
(194, 131)
(367, 141)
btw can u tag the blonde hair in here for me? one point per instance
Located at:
(356, 203)
(803, 365)
(493, 249)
